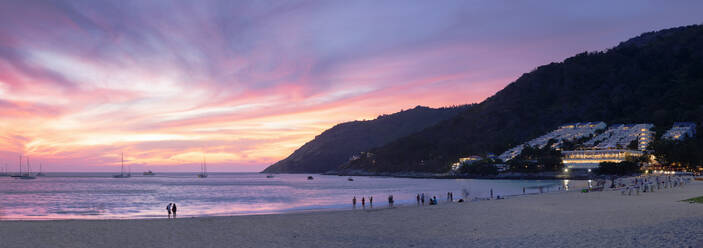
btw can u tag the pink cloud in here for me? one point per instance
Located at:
(246, 83)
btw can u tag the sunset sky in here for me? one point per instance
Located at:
(246, 83)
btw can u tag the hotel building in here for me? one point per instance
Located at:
(590, 159)
(565, 132)
(680, 131)
(465, 161)
(612, 145)
(619, 136)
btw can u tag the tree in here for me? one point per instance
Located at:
(620, 169)
(482, 167)
(686, 153)
(533, 159)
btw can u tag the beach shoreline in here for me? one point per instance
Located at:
(503, 176)
(556, 219)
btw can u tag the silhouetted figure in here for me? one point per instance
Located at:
(422, 198)
(173, 208)
(354, 202)
(363, 202)
(523, 190)
(370, 201)
(168, 209)
(451, 196)
(418, 199)
(390, 201)
(491, 193)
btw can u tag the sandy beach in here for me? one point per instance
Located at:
(564, 219)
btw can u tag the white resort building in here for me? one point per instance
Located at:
(465, 161)
(612, 145)
(590, 159)
(680, 131)
(619, 136)
(565, 132)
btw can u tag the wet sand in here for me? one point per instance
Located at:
(565, 219)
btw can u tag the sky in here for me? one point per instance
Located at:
(244, 84)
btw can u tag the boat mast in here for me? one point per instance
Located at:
(20, 164)
(29, 169)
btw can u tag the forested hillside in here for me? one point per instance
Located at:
(336, 145)
(656, 77)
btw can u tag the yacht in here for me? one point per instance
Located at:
(27, 175)
(203, 169)
(122, 174)
(40, 174)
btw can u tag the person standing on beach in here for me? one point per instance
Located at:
(168, 209)
(418, 199)
(363, 202)
(370, 201)
(491, 193)
(422, 198)
(173, 208)
(354, 202)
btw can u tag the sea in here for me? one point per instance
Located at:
(99, 196)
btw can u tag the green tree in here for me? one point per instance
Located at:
(533, 159)
(482, 167)
(621, 169)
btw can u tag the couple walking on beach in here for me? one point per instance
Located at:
(171, 207)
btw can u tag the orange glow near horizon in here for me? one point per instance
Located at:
(245, 84)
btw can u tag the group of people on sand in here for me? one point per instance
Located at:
(420, 198)
(363, 201)
(652, 183)
(171, 208)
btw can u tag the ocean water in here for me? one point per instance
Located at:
(99, 196)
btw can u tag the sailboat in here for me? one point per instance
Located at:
(27, 175)
(203, 169)
(122, 174)
(4, 171)
(40, 174)
(20, 173)
(149, 173)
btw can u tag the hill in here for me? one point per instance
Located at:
(656, 77)
(336, 145)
